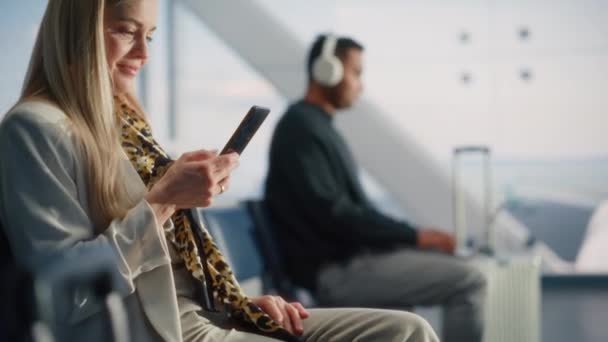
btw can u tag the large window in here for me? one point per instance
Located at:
(523, 79)
(214, 88)
(19, 22)
(526, 78)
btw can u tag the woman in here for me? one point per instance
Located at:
(79, 168)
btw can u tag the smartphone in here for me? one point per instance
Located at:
(247, 128)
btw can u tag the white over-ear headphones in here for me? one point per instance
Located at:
(327, 69)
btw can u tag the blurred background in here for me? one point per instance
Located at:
(525, 78)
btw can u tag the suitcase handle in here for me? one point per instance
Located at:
(487, 245)
(472, 149)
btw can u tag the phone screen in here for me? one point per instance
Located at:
(246, 129)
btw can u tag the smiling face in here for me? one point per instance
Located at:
(128, 29)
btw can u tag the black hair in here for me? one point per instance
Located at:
(343, 44)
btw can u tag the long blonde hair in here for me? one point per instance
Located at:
(69, 67)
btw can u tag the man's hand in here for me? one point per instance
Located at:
(288, 315)
(436, 239)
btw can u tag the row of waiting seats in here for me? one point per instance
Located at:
(246, 235)
(573, 306)
(34, 302)
(34, 299)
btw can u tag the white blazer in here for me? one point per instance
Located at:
(44, 209)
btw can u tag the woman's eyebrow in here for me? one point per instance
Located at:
(136, 22)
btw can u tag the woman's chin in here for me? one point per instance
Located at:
(122, 87)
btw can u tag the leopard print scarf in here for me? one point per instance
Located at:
(210, 268)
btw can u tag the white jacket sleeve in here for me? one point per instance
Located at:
(40, 206)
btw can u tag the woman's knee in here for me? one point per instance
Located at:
(406, 326)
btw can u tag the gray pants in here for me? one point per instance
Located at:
(408, 277)
(323, 325)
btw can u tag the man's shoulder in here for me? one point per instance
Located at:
(297, 111)
(301, 117)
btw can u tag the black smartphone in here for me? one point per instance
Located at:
(247, 128)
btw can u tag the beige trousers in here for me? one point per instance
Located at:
(324, 325)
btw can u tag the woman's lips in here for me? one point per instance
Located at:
(128, 70)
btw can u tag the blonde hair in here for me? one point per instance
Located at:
(69, 66)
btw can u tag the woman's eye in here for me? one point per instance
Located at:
(125, 32)
(149, 39)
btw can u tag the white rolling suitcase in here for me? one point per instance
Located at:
(513, 302)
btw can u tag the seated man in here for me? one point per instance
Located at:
(335, 242)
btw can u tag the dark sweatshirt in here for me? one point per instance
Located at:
(315, 198)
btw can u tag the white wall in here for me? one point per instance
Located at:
(416, 59)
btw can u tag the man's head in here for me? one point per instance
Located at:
(343, 92)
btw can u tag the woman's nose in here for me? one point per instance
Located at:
(140, 49)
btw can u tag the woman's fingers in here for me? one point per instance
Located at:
(301, 309)
(292, 321)
(287, 317)
(222, 167)
(212, 174)
(294, 318)
(199, 155)
(269, 306)
(223, 185)
(225, 164)
(196, 177)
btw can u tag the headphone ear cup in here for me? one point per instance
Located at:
(328, 71)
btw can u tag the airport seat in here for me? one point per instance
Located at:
(234, 232)
(41, 296)
(560, 226)
(574, 307)
(16, 312)
(245, 235)
(270, 248)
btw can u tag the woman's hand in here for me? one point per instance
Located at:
(288, 315)
(192, 181)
